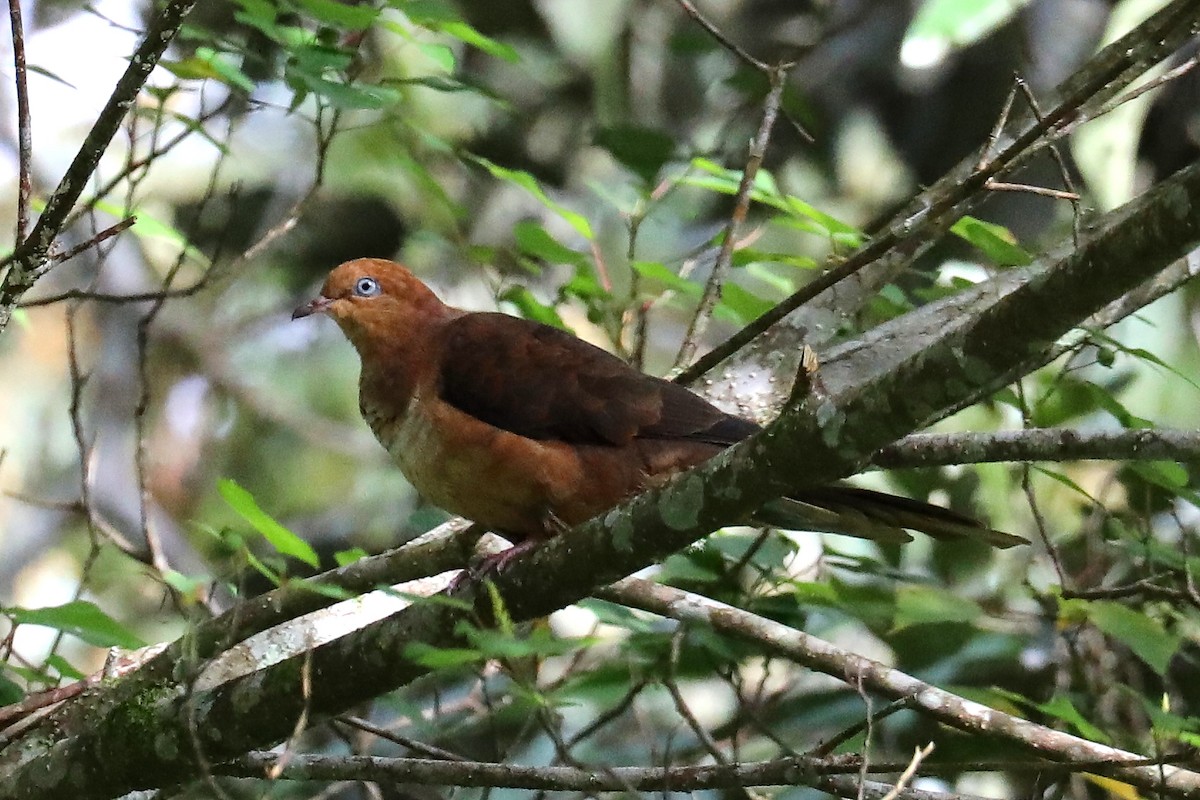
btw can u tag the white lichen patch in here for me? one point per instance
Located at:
(312, 630)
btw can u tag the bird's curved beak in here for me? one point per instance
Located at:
(318, 306)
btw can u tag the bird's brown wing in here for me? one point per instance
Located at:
(543, 383)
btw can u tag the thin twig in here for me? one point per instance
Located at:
(29, 262)
(1056, 153)
(404, 741)
(721, 38)
(1168, 76)
(951, 194)
(721, 267)
(681, 705)
(24, 122)
(156, 150)
(920, 755)
(997, 129)
(928, 699)
(100, 237)
(289, 748)
(826, 748)
(1057, 194)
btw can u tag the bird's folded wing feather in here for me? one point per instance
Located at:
(542, 383)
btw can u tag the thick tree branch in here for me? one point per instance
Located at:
(944, 706)
(104, 747)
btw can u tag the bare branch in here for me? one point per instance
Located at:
(690, 9)
(1039, 444)
(758, 150)
(100, 237)
(1057, 194)
(944, 706)
(24, 125)
(29, 262)
(933, 210)
(793, 771)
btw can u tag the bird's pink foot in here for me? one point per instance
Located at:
(491, 564)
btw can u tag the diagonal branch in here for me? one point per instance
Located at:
(105, 739)
(29, 261)
(933, 211)
(949, 708)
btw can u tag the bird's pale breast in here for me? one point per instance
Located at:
(499, 479)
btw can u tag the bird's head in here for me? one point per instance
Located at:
(374, 302)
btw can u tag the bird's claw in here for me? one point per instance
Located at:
(490, 564)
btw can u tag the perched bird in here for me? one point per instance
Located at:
(529, 430)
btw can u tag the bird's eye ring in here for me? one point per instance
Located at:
(366, 287)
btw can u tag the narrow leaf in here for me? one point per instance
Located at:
(282, 539)
(82, 619)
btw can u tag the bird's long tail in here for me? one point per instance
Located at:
(875, 515)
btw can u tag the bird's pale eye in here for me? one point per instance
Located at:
(366, 287)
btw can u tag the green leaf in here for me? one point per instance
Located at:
(340, 15)
(224, 69)
(1169, 475)
(81, 619)
(942, 25)
(345, 95)
(426, 13)
(190, 588)
(1105, 400)
(682, 567)
(527, 182)
(642, 150)
(994, 241)
(747, 256)
(766, 190)
(540, 642)
(468, 35)
(532, 308)
(150, 227)
(1146, 637)
(64, 667)
(48, 74)
(441, 657)
(440, 17)
(618, 616)
(10, 692)
(746, 305)
(1062, 708)
(533, 240)
(282, 539)
(1140, 354)
(1065, 481)
(923, 605)
(344, 557)
(656, 271)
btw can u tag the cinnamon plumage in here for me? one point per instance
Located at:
(528, 430)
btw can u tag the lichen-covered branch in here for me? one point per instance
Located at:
(139, 733)
(1039, 444)
(944, 706)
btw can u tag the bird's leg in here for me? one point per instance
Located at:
(493, 563)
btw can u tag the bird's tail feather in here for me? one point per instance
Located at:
(874, 515)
